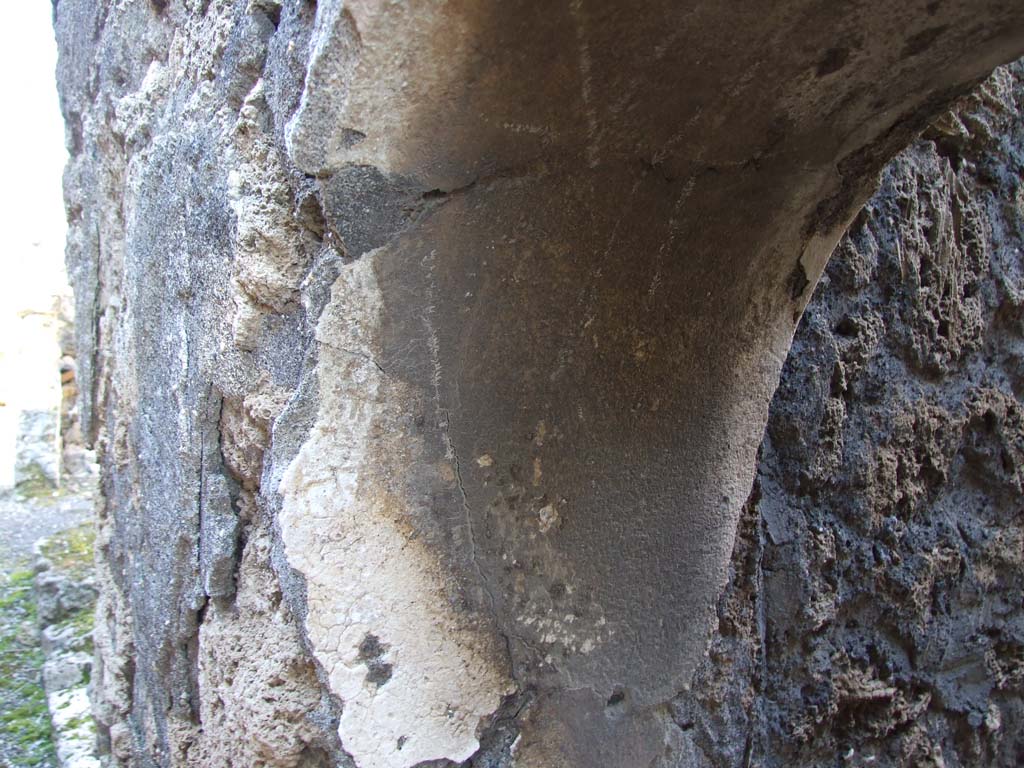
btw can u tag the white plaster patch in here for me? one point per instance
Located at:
(547, 518)
(569, 631)
(366, 575)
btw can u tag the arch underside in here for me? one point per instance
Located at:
(572, 242)
(594, 228)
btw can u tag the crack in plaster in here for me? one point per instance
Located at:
(445, 422)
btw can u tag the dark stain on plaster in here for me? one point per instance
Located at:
(485, 326)
(350, 137)
(371, 653)
(367, 209)
(833, 61)
(858, 170)
(797, 281)
(922, 41)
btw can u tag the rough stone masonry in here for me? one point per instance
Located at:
(427, 348)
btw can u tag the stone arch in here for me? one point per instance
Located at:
(575, 241)
(595, 227)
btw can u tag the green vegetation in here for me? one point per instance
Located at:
(26, 740)
(71, 551)
(79, 722)
(25, 737)
(36, 486)
(81, 622)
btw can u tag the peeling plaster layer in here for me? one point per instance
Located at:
(362, 91)
(416, 675)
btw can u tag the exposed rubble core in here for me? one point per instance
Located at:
(427, 347)
(874, 608)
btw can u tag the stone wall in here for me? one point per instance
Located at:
(874, 606)
(426, 349)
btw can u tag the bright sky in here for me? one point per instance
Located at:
(31, 218)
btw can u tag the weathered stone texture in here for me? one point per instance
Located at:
(426, 348)
(874, 607)
(186, 256)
